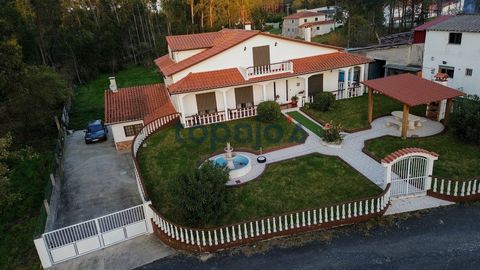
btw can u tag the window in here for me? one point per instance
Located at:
(455, 38)
(132, 130)
(293, 21)
(304, 20)
(468, 72)
(447, 70)
(316, 18)
(318, 27)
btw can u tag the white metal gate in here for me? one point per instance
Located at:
(409, 176)
(79, 239)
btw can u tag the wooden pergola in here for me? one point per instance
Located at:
(410, 90)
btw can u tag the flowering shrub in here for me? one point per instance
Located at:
(331, 133)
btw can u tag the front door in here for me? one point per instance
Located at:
(315, 85)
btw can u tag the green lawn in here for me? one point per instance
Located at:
(88, 103)
(352, 113)
(456, 160)
(290, 185)
(304, 121)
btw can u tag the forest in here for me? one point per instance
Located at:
(48, 48)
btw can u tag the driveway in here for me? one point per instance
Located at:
(443, 238)
(98, 181)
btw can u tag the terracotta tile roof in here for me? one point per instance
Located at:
(412, 90)
(232, 77)
(302, 14)
(192, 41)
(310, 24)
(406, 151)
(226, 39)
(134, 103)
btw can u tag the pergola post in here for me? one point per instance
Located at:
(448, 109)
(406, 111)
(370, 105)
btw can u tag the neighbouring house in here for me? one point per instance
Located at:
(452, 47)
(398, 53)
(224, 75)
(128, 109)
(316, 22)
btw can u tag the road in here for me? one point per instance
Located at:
(444, 238)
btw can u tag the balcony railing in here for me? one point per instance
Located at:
(342, 93)
(212, 118)
(282, 67)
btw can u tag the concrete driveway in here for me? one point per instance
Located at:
(98, 181)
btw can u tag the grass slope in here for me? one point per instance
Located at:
(352, 113)
(88, 103)
(457, 159)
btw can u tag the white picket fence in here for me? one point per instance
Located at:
(91, 235)
(212, 239)
(456, 188)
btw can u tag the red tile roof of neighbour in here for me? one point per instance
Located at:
(412, 90)
(433, 22)
(192, 41)
(302, 14)
(310, 24)
(135, 103)
(405, 151)
(232, 77)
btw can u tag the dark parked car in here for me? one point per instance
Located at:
(96, 131)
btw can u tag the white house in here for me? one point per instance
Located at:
(318, 21)
(221, 76)
(453, 47)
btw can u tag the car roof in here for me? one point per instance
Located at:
(95, 122)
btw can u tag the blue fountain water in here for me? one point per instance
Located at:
(239, 161)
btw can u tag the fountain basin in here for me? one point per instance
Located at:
(242, 165)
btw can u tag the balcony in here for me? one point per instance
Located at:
(217, 117)
(276, 68)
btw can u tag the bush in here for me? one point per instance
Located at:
(465, 119)
(323, 101)
(201, 194)
(331, 133)
(268, 111)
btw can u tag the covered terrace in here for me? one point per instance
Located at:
(412, 91)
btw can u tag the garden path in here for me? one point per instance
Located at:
(350, 150)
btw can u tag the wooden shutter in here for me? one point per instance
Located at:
(261, 56)
(206, 103)
(244, 95)
(315, 84)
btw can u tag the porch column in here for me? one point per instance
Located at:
(362, 77)
(406, 110)
(182, 111)
(307, 98)
(345, 82)
(264, 88)
(225, 105)
(370, 105)
(448, 109)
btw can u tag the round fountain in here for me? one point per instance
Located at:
(238, 164)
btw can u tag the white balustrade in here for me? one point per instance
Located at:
(276, 68)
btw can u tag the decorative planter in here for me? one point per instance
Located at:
(261, 159)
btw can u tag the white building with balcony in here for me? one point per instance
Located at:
(222, 76)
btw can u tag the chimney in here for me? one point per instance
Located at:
(113, 84)
(248, 25)
(307, 34)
